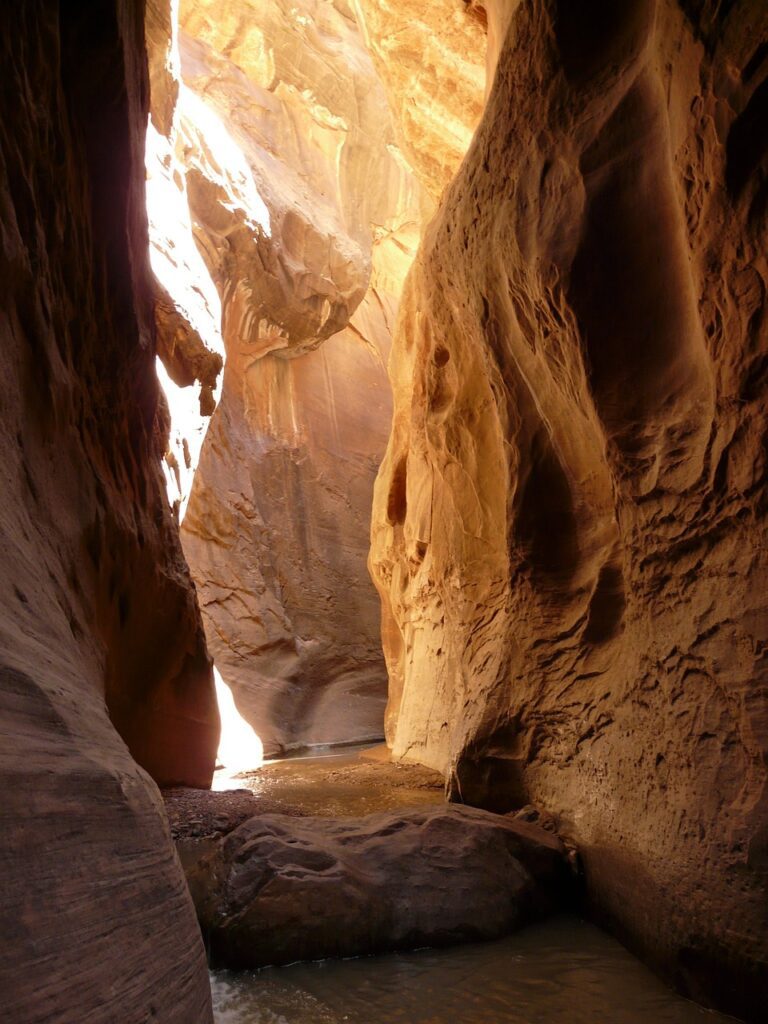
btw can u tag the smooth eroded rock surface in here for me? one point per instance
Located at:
(277, 535)
(307, 217)
(292, 170)
(569, 524)
(102, 655)
(279, 888)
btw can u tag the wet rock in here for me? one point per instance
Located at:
(279, 889)
(198, 813)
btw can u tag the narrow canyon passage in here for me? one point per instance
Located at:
(385, 398)
(299, 219)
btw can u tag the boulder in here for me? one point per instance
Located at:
(279, 889)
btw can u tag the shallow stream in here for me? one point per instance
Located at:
(563, 971)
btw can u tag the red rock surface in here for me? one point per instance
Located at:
(277, 534)
(430, 55)
(102, 656)
(569, 524)
(569, 532)
(280, 888)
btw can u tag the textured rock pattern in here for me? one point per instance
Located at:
(279, 889)
(569, 525)
(291, 167)
(99, 626)
(187, 305)
(430, 55)
(306, 216)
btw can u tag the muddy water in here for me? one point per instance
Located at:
(561, 972)
(343, 784)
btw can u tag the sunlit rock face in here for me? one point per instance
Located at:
(290, 162)
(187, 304)
(569, 525)
(280, 888)
(307, 218)
(102, 654)
(277, 535)
(431, 57)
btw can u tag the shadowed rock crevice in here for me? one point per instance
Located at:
(397, 503)
(606, 607)
(546, 525)
(643, 347)
(746, 146)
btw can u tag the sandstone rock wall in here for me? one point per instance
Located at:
(187, 305)
(277, 535)
(430, 55)
(291, 166)
(308, 218)
(99, 629)
(569, 524)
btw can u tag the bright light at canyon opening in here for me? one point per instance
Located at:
(240, 749)
(180, 268)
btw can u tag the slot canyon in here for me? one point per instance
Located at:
(397, 372)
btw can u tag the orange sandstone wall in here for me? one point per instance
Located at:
(430, 55)
(569, 523)
(307, 217)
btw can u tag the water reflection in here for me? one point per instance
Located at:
(561, 972)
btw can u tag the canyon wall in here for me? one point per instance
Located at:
(569, 524)
(430, 56)
(187, 304)
(277, 535)
(307, 217)
(103, 661)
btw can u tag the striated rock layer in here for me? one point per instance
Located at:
(307, 218)
(569, 524)
(102, 656)
(430, 55)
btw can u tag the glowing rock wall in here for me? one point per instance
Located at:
(307, 217)
(569, 524)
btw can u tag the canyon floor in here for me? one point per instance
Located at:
(343, 783)
(562, 968)
(347, 856)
